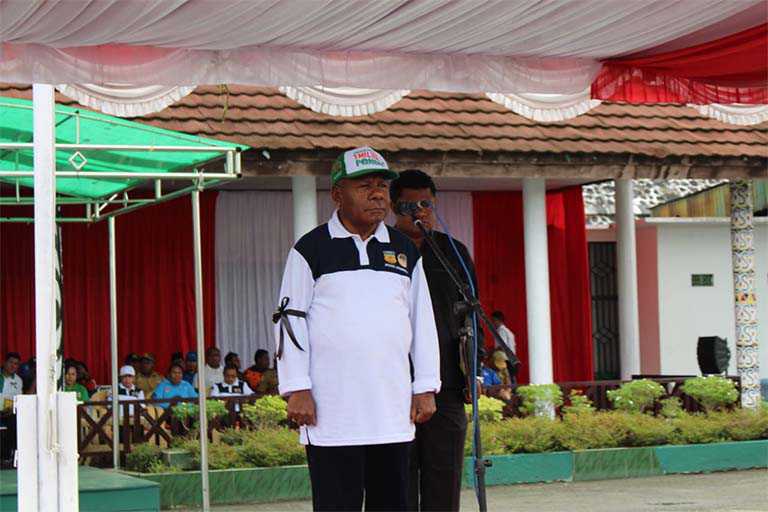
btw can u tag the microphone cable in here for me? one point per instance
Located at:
(475, 339)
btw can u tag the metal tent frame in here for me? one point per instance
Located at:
(95, 209)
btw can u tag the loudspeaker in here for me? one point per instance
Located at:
(713, 355)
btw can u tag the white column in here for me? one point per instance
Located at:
(537, 281)
(304, 205)
(626, 263)
(45, 315)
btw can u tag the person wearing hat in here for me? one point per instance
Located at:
(126, 388)
(354, 310)
(134, 360)
(190, 368)
(499, 361)
(147, 378)
(508, 348)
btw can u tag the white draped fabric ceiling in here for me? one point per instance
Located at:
(354, 57)
(525, 46)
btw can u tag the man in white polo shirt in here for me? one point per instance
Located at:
(355, 316)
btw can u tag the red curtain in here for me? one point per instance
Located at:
(500, 262)
(17, 289)
(155, 285)
(733, 69)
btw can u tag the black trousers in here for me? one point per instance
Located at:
(437, 456)
(343, 476)
(7, 437)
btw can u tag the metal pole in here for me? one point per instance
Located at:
(126, 147)
(45, 308)
(127, 175)
(199, 330)
(113, 344)
(743, 257)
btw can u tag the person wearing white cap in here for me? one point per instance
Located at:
(126, 389)
(355, 311)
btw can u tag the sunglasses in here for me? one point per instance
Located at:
(411, 207)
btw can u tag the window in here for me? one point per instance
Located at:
(702, 280)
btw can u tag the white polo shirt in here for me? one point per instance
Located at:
(369, 313)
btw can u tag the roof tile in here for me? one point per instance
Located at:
(440, 121)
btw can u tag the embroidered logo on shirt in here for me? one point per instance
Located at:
(402, 259)
(389, 257)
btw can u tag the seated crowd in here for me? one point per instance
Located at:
(139, 379)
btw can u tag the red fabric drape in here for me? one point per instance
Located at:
(500, 262)
(155, 285)
(733, 69)
(17, 289)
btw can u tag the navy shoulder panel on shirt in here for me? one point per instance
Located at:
(310, 244)
(326, 255)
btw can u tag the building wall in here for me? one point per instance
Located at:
(687, 312)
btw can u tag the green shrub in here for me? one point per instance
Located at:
(267, 412)
(599, 430)
(646, 430)
(234, 437)
(272, 447)
(223, 456)
(713, 392)
(578, 403)
(491, 438)
(671, 408)
(213, 409)
(698, 429)
(535, 434)
(635, 395)
(142, 457)
(158, 466)
(745, 424)
(540, 399)
(488, 409)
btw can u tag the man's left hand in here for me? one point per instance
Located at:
(422, 407)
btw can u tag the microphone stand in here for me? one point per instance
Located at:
(468, 305)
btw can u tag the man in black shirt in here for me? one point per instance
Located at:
(438, 451)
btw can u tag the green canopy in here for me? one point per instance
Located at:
(76, 126)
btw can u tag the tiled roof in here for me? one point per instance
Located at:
(434, 121)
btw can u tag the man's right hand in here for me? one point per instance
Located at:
(301, 408)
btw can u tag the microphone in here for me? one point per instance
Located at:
(411, 207)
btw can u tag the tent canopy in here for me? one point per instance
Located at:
(129, 148)
(525, 46)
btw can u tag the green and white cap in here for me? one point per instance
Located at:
(360, 162)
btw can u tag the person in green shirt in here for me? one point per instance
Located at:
(71, 384)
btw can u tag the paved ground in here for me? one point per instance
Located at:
(739, 491)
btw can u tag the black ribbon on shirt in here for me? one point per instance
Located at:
(281, 315)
